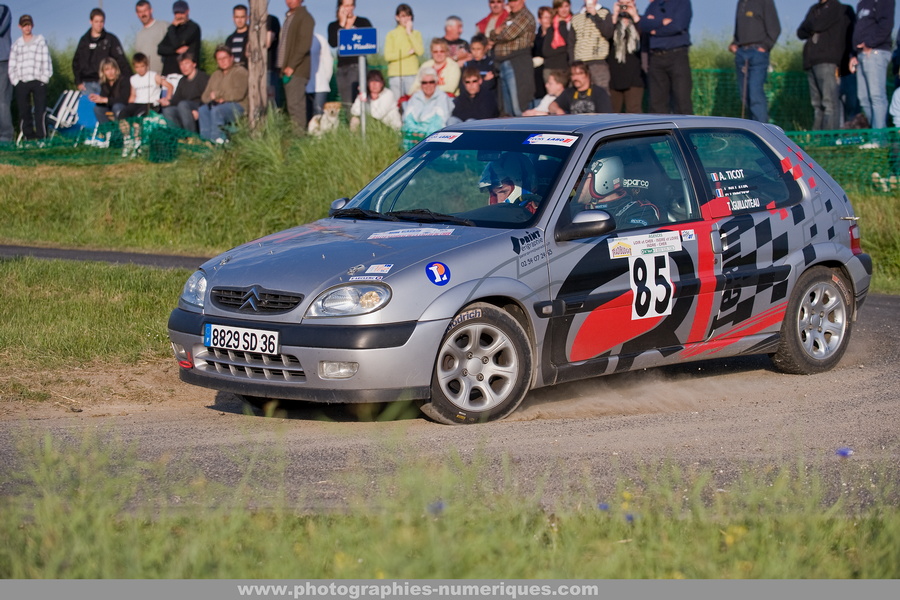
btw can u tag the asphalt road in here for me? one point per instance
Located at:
(135, 258)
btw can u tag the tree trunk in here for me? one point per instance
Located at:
(257, 61)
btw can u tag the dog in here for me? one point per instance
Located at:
(327, 121)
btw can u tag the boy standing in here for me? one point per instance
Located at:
(30, 70)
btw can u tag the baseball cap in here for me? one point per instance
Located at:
(26, 20)
(180, 7)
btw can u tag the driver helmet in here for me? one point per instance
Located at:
(607, 175)
(512, 167)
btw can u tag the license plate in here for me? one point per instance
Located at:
(240, 339)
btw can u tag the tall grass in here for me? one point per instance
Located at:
(195, 205)
(93, 509)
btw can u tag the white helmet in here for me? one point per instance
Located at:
(608, 174)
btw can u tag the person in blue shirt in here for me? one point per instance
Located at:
(666, 24)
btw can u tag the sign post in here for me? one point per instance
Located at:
(359, 42)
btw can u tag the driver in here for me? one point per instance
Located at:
(508, 180)
(602, 189)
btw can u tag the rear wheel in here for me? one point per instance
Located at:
(817, 326)
(483, 367)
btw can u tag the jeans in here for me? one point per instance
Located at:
(825, 96)
(214, 118)
(871, 79)
(6, 93)
(752, 66)
(348, 85)
(182, 116)
(275, 89)
(401, 85)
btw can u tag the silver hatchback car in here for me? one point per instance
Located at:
(504, 255)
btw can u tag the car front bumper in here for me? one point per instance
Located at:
(395, 361)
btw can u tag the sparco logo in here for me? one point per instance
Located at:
(636, 183)
(524, 242)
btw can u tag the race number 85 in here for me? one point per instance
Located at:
(651, 285)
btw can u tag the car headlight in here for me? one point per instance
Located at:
(349, 300)
(194, 291)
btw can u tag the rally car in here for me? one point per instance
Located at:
(504, 255)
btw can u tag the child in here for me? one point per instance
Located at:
(146, 89)
(481, 61)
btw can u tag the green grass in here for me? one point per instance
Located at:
(92, 509)
(197, 204)
(67, 312)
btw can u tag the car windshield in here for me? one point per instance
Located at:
(479, 179)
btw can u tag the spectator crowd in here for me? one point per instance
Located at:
(551, 59)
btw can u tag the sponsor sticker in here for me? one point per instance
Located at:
(688, 235)
(438, 273)
(745, 204)
(411, 233)
(367, 278)
(619, 249)
(443, 137)
(652, 243)
(551, 139)
(379, 268)
(529, 248)
(728, 175)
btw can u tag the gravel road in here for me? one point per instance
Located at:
(718, 415)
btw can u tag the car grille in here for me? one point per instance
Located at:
(252, 365)
(254, 300)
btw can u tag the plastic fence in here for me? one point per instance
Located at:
(149, 138)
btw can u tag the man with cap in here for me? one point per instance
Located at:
(182, 36)
(6, 124)
(30, 70)
(152, 32)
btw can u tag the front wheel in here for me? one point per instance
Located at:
(483, 367)
(817, 326)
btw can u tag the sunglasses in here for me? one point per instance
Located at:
(471, 81)
(429, 82)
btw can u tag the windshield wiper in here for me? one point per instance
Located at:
(423, 215)
(362, 213)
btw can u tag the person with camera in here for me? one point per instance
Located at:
(589, 34)
(626, 78)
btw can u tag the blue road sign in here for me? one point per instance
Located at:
(357, 42)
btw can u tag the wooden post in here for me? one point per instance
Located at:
(257, 61)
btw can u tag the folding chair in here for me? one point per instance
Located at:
(65, 113)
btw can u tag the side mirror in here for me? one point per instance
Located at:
(586, 224)
(338, 205)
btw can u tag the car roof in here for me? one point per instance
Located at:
(587, 124)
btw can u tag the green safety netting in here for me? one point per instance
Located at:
(148, 138)
(866, 158)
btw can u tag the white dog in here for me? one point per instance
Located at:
(327, 121)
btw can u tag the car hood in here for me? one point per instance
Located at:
(313, 257)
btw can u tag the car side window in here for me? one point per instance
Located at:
(641, 182)
(739, 167)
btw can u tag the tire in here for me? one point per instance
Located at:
(483, 367)
(817, 324)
